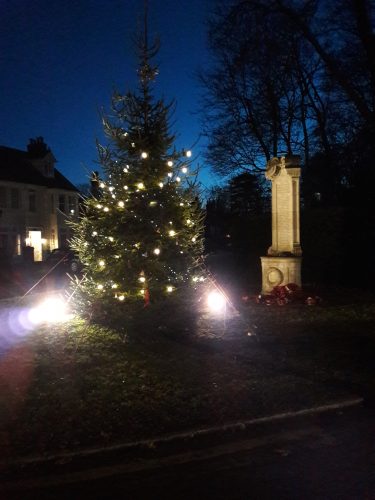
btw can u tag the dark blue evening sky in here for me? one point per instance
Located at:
(60, 60)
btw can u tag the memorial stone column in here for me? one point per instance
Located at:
(282, 265)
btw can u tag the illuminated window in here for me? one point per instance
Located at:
(72, 204)
(18, 244)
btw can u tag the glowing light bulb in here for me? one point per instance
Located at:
(94, 233)
(111, 188)
(188, 153)
(169, 289)
(114, 285)
(161, 184)
(100, 287)
(140, 185)
(106, 209)
(157, 251)
(101, 263)
(126, 188)
(178, 179)
(121, 297)
(172, 233)
(142, 279)
(194, 239)
(170, 163)
(102, 185)
(170, 174)
(121, 204)
(110, 238)
(184, 170)
(144, 155)
(216, 301)
(195, 279)
(99, 206)
(188, 221)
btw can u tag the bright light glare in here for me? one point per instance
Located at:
(216, 301)
(52, 310)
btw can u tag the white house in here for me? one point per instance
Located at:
(36, 201)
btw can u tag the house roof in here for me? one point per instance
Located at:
(16, 166)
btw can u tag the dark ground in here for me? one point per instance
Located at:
(330, 456)
(20, 278)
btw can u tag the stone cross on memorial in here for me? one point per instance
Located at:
(282, 265)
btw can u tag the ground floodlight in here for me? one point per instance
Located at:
(51, 310)
(216, 301)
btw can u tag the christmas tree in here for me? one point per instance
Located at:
(140, 236)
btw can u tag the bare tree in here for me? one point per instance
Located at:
(292, 76)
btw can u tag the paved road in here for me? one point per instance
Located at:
(324, 457)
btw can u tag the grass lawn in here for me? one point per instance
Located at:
(77, 385)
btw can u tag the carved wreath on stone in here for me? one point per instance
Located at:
(273, 168)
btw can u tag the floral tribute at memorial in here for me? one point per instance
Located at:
(285, 294)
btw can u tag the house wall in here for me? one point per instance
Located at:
(25, 207)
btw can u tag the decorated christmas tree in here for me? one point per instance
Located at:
(140, 236)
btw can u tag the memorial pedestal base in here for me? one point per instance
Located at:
(278, 271)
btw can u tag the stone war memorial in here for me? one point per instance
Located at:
(282, 265)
